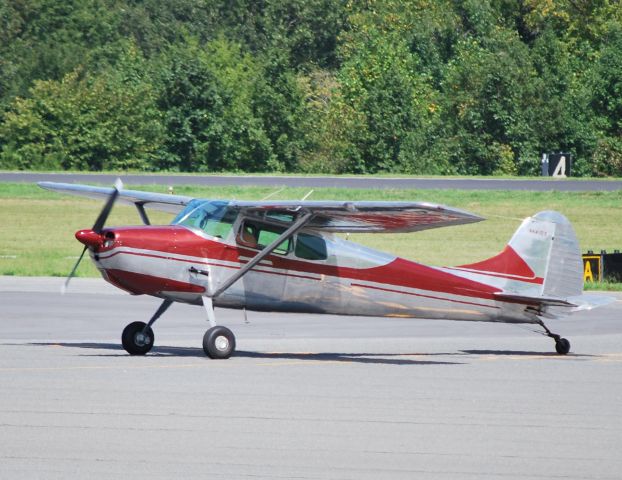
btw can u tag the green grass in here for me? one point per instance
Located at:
(607, 286)
(37, 226)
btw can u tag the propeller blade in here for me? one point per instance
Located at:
(63, 289)
(103, 216)
(97, 228)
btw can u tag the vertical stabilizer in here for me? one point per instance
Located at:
(542, 259)
(564, 274)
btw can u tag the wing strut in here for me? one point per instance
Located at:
(140, 206)
(296, 226)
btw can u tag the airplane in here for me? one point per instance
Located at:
(285, 256)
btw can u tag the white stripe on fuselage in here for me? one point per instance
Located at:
(397, 298)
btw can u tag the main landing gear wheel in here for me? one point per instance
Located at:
(137, 338)
(219, 342)
(562, 346)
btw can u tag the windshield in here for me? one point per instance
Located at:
(214, 217)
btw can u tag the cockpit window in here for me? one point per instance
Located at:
(215, 218)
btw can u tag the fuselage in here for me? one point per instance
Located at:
(313, 273)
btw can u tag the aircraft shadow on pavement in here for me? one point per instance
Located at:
(368, 358)
(371, 358)
(511, 353)
(168, 351)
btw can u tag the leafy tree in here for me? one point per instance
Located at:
(382, 81)
(84, 122)
(207, 99)
(46, 39)
(332, 127)
(491, 102)
(606, 87)
(412, 86)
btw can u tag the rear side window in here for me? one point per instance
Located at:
(310, 247)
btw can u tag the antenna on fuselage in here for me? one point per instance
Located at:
(306, 196)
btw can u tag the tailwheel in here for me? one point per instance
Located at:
(562, 346)
(219, 342)
(137, 338)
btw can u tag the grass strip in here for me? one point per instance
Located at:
(37, 226)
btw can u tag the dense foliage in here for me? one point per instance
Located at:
(365, 86)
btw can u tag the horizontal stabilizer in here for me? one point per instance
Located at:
(535, 300)
(572, 304)
(589, 301)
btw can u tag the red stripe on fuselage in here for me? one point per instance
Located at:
(140, 283)
(399, 272)
(507, 264)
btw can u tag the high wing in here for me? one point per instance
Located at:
(372, 217)
(330, 216)
(158, 201)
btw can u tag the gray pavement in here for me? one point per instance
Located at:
(321, 181)
(306, 396)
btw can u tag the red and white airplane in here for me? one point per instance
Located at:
(283, 256)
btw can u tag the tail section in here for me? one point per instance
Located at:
(539, 274)
(542, 260)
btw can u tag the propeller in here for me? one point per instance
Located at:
(92, 238)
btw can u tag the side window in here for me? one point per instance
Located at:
(255, 235)
(310, 247)
(267, 235)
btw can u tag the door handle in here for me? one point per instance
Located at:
(198, 271)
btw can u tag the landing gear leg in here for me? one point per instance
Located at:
(562, 345)
(218, 341)
(137, 338)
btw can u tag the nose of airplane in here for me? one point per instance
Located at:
(89, 238)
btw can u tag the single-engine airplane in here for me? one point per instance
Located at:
(284, 256)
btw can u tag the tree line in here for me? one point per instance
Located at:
(327, 86)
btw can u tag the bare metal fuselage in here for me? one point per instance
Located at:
(184, 265)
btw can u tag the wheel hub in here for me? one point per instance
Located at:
(222, 343)
(141, 339)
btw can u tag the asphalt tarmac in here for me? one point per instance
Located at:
(368, 182)
(306, 397)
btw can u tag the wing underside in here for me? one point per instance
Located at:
(389, 217)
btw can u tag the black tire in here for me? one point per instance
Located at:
(135, 341)
(219, 342)
(562, 346)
